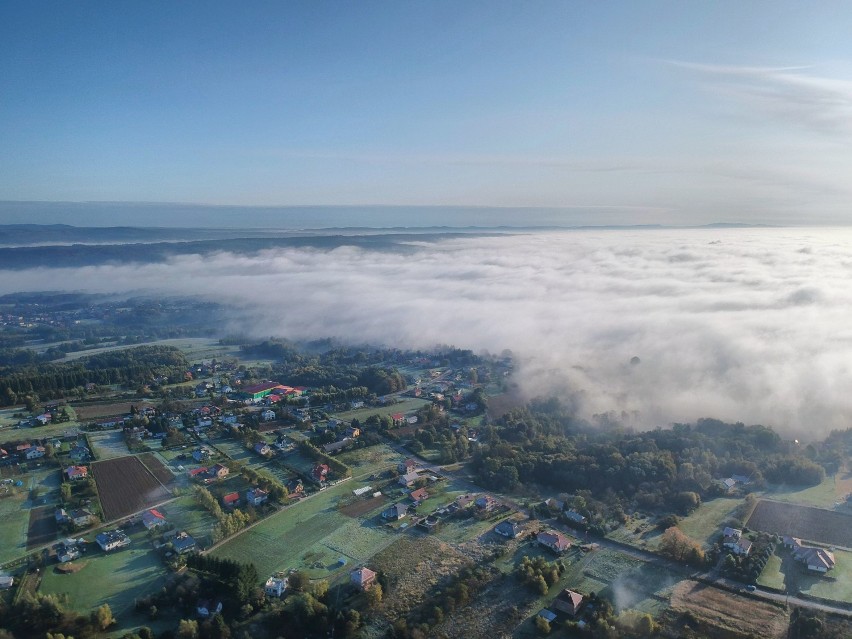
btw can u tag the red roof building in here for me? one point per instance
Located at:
(198, 471)
(321, 472)
(231, 499)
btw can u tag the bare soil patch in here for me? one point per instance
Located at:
(736, 613)
(70, 568)
(362, 506)
(157, 468)
(806, 522)
(126, 486)
(86, 412)
(42, 527)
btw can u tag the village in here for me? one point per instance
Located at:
(356, 494)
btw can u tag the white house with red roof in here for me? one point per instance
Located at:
(76, 472)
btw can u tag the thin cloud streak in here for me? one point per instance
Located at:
(746, 324)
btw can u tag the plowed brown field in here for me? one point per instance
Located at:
(125, 486)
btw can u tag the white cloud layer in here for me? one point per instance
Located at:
(750, 325)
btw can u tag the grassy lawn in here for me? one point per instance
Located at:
(14, 520)
(108, 445)
(311, 535)
(638, 531)
(837, 586)
(25, 434)
(705, 523)
(120, 576)
(408, 405)
(822, 496)
(373, 459)
(772, 575)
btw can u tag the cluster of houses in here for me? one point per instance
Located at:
(207, 475)
(254, 497)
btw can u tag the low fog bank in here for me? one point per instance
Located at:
(746, 324)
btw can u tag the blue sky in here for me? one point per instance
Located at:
(617, 112)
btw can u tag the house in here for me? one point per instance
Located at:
(183, 543)
(230, 500)
(353, 432)
(486, 503)
(81, 517)
(268, 415)
(816, 559)
(6, 582)
(356, 404)
(508, 529)
(262, 448)
(408, 479)
(395, 512)
(411, 419)
(320, 472)
(201, 454)
(574, 517)
(742, 547)
(554, 540)
(364, 578)
(34, 452)
(568, 602)
(112, 539)
(80, 454)
(61, 516)
(336, 447)
(203, 422)
(734, 541)
(275, 586)
(76, 472)
(198, 472)
(68, 550)
(44, 419)
(219, 471)
(741, 479)
(153, 518)
(407, 466)
(256, 496)
(397, 419)
(419, 495)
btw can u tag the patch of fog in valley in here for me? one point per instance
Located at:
(739, 324)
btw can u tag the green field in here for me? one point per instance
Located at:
(822, 496)
(706, 523)
(373, 459)
(121, 577)
(39, 432)
(14, 520)
(311, 535)
(407, 405)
